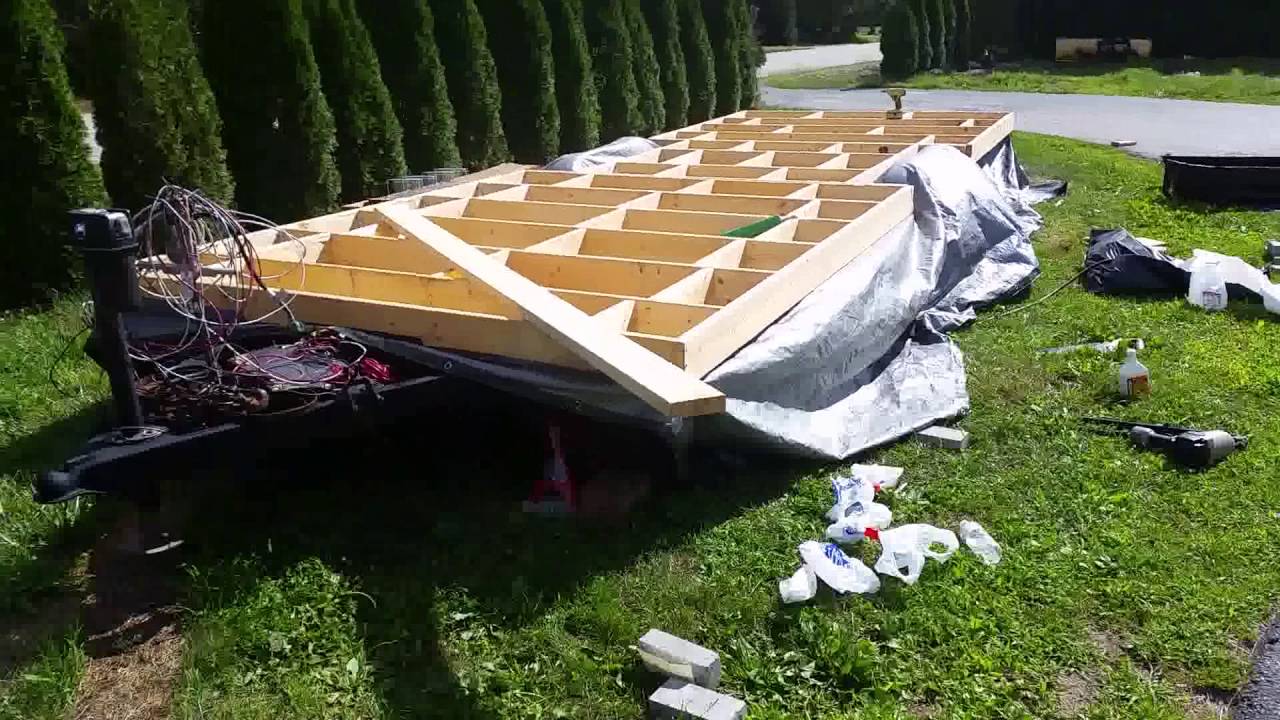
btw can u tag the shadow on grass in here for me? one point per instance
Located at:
(434, 510)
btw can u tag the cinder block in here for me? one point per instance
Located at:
(676, 657)
(680, 700)
(1272, 250)
(944, 437)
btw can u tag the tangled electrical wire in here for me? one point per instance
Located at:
(197, 257)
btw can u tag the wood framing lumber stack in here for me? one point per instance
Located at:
(664, 386)
(632, 269)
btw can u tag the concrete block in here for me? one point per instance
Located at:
(1271, 250)
(1273, 271)
(678, 658)
(680, 700)
(944, 437)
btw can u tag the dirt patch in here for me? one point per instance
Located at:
(1111, 646)
(1210, 704)
(23, 636)
(923, 711)
(135, 685)
(1076, 692)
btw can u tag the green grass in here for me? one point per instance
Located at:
(358, 580)
(1246, 80)
(41, 548)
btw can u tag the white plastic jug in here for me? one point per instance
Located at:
(1208, 287)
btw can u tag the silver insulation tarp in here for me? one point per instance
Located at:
(865, 358)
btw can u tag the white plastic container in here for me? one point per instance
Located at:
(1135, 379)
(1208, 287)
(980, 542)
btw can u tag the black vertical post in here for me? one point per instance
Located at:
(105, 238)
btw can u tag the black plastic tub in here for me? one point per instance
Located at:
(1223, 179)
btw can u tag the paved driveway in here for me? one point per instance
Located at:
(1182, 127)
(821, 56)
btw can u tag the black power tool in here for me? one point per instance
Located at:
(1185, 446)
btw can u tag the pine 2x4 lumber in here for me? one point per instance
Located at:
(665, 387)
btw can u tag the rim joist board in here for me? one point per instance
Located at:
(626, 269)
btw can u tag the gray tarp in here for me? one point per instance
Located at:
(862, 360)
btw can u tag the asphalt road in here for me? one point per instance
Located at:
(822, 56)
(1180, 127)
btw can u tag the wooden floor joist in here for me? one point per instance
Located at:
(627, 269)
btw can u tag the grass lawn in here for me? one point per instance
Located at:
(1247, 80)
(370, 582)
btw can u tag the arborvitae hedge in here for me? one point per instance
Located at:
(699, 60)
(370, 151)
(473, 82)
(277, 126)
(723, 28)
(611, 58)
(154, 111)
(644, 63)
(919, 9)
(664, 24)
(42, 145)
(403, 33)
(899, 41)
(779, 20)
(520, 40)
(576, 93)
(750, 54)
(963, 52)
(937, 33)
(949, 21)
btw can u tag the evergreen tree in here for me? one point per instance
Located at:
(575, 82)
(751, 55)
(949, 20)
(937, 33)
(473, 82)
(370, 147)
(644, 63)
(920, 12)
(779, 20)
(899, 41)
(726, 40)
(664, 22)
(277, 127)
(403, 33)
(612, 60)
(520, 40)
(964, 35)
(699, 60)
(46, 162)
(153, 108)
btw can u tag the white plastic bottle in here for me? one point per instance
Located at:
(1208, 288)
(977, 539)
(1135, 379)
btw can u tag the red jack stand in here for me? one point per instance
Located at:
(555, 493)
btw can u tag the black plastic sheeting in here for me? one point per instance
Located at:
(861, 361)
(1117, 263)
(1223, 180)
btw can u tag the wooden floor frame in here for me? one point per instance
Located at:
(583, 269)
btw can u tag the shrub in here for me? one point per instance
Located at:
(473, 82)
(964, 35)
(699, 60)
(725, 33)
(937, 33)
(664, 24)
(899, 41)
(949, 30)
(277, 127)
(403, 33)
(576, 93)
(153, 108)
(46, 164)
(919, 10)
(611, 59)
(520, 40)
(644, 64)
(750, 56)
(778, 17)
(370, 141)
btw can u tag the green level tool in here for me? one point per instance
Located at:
(754, 229)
